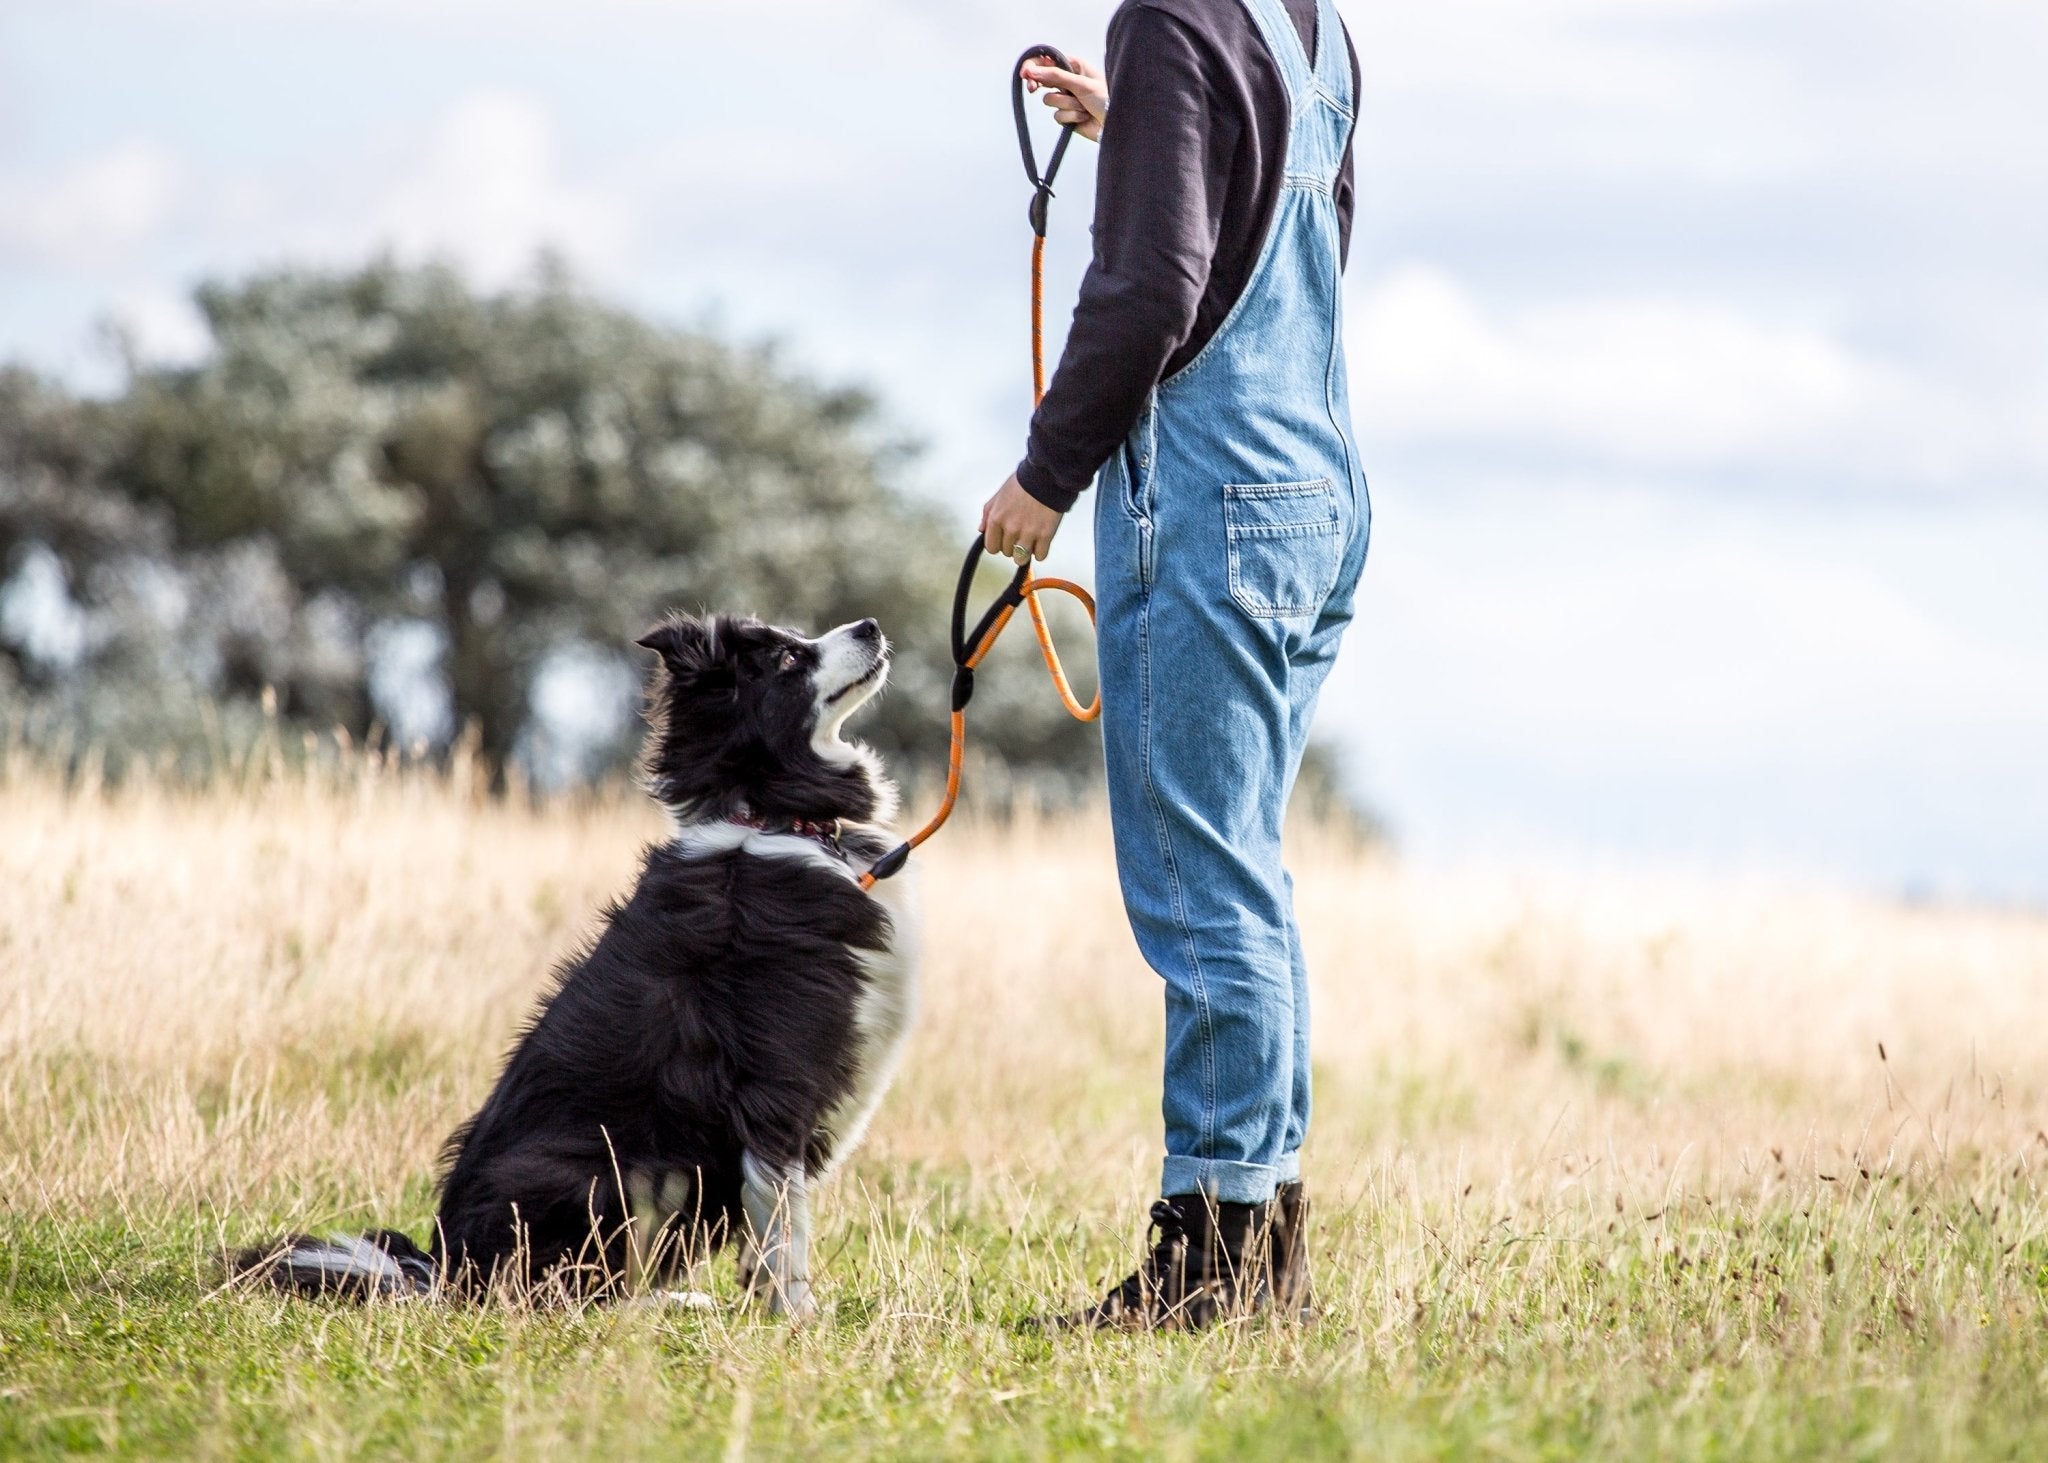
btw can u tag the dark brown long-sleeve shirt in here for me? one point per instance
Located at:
(1193, 153)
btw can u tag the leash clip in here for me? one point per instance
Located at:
(889, 863)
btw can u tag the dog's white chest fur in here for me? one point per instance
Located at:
(887, 1003)
(882, 1017)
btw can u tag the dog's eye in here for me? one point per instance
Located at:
(789, 660)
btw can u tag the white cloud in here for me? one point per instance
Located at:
(487, 190)
(162, 326)
(101, 211)
(1648, 382)
(1664, 385)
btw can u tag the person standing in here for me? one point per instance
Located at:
(1203, 389)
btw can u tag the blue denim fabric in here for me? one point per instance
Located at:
(1230, 533)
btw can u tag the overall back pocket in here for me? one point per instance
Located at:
(1286, 546)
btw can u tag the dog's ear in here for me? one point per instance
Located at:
(689, 648)
(683, 644)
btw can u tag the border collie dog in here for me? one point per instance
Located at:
(726, 1038)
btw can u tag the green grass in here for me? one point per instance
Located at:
(1881, 1319)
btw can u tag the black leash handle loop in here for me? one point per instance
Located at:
(1041, 183)
(966, 642)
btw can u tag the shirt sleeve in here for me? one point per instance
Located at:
(1157, 220)
(1347, 175)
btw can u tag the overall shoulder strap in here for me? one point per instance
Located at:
(1276, 27)
(1333, 55)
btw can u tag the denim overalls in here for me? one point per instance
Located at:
(1229, 534)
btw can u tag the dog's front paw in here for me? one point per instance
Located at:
(796, 1304)
(789, 1298)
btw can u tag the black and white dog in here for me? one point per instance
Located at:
(725, 1040)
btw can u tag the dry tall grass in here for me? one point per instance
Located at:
(269, 1005)
(313, 979)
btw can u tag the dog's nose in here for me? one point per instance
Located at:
(868, 630)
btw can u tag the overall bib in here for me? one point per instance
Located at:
(1230, 532)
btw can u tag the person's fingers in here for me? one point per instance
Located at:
(1071, 116)
(1068, 108)
(1054, 77)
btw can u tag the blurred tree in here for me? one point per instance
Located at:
(518, 477)
(1324, 795)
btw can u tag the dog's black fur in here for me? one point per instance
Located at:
(713, 1018)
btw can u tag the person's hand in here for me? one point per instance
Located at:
(1079, 98)
(1014, 520)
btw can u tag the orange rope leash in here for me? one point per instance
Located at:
(1023, 588)
(1031, 586)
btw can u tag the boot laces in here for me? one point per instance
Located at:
(1169, 1234)
(1168, 1223)
(1167, 1239)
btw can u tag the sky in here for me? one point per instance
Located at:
(1699, 347)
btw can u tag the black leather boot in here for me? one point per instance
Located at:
(1293, 1294)
(1209, 1261)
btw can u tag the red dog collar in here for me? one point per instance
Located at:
(826, 834)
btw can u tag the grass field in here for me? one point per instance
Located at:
(1619, 1168)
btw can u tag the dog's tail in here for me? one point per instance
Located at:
(382, 1264)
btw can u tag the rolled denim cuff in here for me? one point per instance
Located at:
(1222, 1180)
